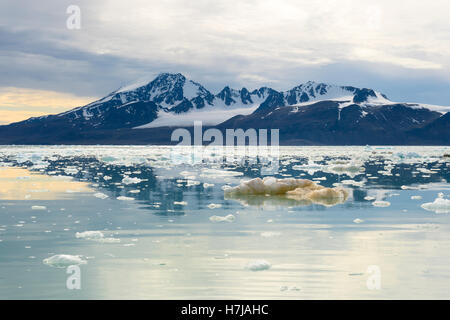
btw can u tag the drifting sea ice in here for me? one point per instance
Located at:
(64, 260)
(122, 198)
(228, 218)
(101, 195)
(38, 208)
(380, 203)
(95, 236)
(128, 180)
(302, 190)
(258, 265)
(439, 205)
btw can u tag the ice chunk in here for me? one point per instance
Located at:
(89, 235)
(228, 218)
(369, 198)
(301, 190)
(357, 220)
(416, 197)
(439, 205)
(269, 185)
(180, 203)
(258, 265)
(214, 205)
(122, 198)
(128, 180)
(270, 234)
(38, 208)
(380, 203)
(64, 260)
(100, 195)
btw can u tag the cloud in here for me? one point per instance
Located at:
(400, 49)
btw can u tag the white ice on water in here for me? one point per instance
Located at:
(439, 205)
(64, 260)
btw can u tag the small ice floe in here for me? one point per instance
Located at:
(258, 265)
(64, 260)
(439, 205)
(101, 195)
(416, 197)
(214, 205)
(380, 203)
(357, 220)
(38, 208)
(128, 180)
(228, 218)
(208, 185)
(134, 191)
(369, 198)
(71, 170)
(122, 198)
(191, 183)
(90, 235)
(408, 188)
(180, 203)
(270, 234)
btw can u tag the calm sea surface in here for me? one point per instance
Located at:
(153, 223)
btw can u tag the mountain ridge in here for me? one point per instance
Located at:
(172, 100)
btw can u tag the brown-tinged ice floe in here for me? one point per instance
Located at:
(289, 191)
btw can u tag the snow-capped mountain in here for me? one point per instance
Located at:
(172, 100)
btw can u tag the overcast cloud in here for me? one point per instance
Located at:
(401, 48)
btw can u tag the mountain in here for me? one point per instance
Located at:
(147, 111)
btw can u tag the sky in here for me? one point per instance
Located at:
(401, 48)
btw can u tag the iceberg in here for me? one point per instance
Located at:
(64, 260)
(302, 191)
(439, 205)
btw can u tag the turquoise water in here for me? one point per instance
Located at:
(155, 237)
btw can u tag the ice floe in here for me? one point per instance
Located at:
(64, 260)
(301, 190)
(380, 203)
(227, 218)
(439, 205)
(258, 265)
(214, 205)
(123, 198)
(100, 195)
(128, 180)
(38, 208)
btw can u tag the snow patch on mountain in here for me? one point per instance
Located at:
(208, 116)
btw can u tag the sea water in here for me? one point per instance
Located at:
(153, 222)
